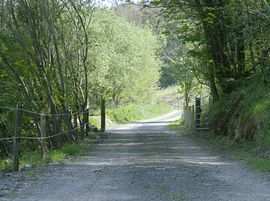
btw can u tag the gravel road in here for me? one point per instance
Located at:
(141, 161)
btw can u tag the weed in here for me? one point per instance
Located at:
(93, 121)
(72, 149)
(31, 173)
(5, 165)
(56, 155)
(176, 125)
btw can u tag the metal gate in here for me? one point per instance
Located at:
(202, 120)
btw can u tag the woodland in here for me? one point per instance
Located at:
(70, 56)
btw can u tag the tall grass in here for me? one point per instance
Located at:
(33, 158)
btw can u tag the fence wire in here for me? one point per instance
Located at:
(9, 109)
(42, 114)
(44, 138)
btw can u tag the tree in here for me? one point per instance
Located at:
(126, 66)
(42, 64)
(226, 39)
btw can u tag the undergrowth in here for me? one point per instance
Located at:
(240, 122)
(249, 151)
(34, 158)
(158, 104)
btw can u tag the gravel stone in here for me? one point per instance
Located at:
(141, 161)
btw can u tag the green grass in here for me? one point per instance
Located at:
(134, 112)
(167, 92)
(94, 121)
(250, 152)
(158, 105)
(72, 149)
(259, 164)
(246, 151)
(31, 158)
(177, 125)
(5, 165)
(54, 156)
(246, 110)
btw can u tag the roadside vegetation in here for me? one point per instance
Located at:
(65, 57)
(161, 102)
(134, 112)
(254, 153)
(61, 58)
(221, 48)
(30, 159)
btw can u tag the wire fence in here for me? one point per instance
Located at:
(43, 138)
(71, 125)
(41, 114)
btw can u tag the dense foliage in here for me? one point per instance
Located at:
(65, 56)
(230, 42)
(124, 57)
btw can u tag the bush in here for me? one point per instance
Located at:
(56, 155)
(243, 115)
(5, 165)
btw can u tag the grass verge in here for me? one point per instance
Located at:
(177, 125)
(134, 112)
(54, 156)
(30, 159)
(257, 157)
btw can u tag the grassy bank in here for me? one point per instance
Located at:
(245, 150)
(134, 112)
(34, 158)
(162, 101)
(66, 152)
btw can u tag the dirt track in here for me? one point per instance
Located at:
(142, 161)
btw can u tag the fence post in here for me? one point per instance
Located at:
(16, 140)
(87, 128)
(103, 115)
(192, 116)
(75, 125)
(84, 121)
(43, 134)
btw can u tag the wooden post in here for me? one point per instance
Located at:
(16, 140)
(192, 117)
(43, 134)
(75, 125)
(103, 115)
(85, 123)
(87, 128)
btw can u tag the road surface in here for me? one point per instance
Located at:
(141, 161)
